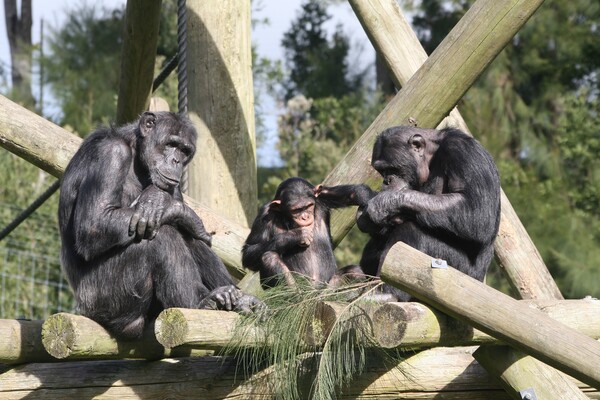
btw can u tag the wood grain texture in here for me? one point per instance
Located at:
(222, 175)
(494, 313)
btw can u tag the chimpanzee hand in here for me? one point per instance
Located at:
(304, 235)
(148, 215)
(384, 208)
(155, 207)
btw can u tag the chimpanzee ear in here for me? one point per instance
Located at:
(418, 143)
(275, 205)
(147, 123)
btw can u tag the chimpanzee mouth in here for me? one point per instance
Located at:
(168, 180)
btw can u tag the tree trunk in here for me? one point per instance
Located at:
(222, 175)
(18, 29)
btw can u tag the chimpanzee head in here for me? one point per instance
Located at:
(166, 143)
(402, 155)
(295, 200)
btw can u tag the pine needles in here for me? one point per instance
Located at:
(314, 340)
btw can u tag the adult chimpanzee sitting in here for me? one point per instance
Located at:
(440, 195)
(130, 245)
(291, 235)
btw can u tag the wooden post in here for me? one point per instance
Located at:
(493, 312)
(50, 148)
(138, 53)
(21, 342)
(395, 41)
(222, 175)
(519, 372)
(75, 337)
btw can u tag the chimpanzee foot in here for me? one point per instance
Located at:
(248, 304)
(230, 298)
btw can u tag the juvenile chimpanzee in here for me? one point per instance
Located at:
(130, 245)
(440, 195)
(291, 234)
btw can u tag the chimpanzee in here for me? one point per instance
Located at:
(440, 195)
(130, 245)
(291, 234)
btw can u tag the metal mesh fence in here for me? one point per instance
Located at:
(32, 285)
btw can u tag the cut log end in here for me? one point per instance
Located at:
(388, 334)
(171, 328)
(58, 335)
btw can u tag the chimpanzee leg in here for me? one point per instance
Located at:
(116, 291)
(177, 276)
(213, 271)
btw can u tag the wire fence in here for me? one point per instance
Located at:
(32, 285)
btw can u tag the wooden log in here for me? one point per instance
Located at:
(415, 325)
(449, 373)
(519, 372)
(138, 54)
(222, 176)
(50, 148)
(21, 342)
(209, 329)
(493, 312)
(68, 336)
(403, 54)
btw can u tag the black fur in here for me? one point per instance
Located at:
(440, 195)
(276, 244)
(130, 245)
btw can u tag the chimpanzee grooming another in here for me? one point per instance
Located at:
(440, 195)
(130, 245)
(291, 234)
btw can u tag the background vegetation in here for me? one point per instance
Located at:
(535, 109)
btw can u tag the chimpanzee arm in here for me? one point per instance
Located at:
(100, 221)
(266, 237)
(345, 195)
(467, 208)
(155, 207)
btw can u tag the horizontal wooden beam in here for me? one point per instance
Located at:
(431, 374)
(73, 337)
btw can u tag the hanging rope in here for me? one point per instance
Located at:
(182, 72)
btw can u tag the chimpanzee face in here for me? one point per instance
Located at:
(398, 157)
(167, 146)
(302, 212)
(295, 198)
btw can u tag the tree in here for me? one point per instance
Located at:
(18, 29)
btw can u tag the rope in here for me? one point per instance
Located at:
(182, 73)
(182, 56)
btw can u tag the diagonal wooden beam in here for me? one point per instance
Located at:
(430, 89)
